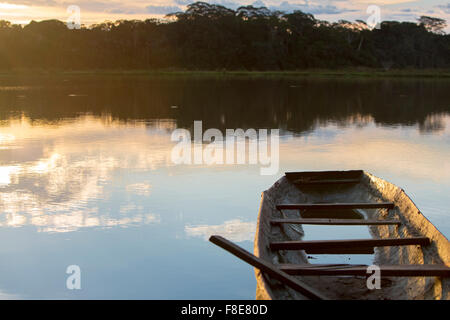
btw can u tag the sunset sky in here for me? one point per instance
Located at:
(23, 11)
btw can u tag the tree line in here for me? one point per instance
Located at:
(212, 37)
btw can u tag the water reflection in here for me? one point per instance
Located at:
(294, 104)
(390, 151)
(51, 174)
(234, 230)
(86, 172)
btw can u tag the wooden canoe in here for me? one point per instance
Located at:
(412, 255)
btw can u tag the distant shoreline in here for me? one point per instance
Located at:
(344, 73)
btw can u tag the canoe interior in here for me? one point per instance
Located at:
(296, 188)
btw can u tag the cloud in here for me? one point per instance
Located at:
(47, 3)
(234, 230)
(9, 296)
(445, 7)
(9, 6)
(383, 2)
(141, 189)
(56, 185)
(183, 2)
(162, 9)
(258, 3)
(284, 6)
(309, 8)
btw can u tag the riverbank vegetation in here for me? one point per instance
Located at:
(215, 38)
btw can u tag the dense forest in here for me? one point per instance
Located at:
(212, 37)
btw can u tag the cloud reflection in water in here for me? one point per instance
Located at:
(60, 171)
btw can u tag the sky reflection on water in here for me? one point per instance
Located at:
(101, 191)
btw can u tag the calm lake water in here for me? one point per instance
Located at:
(86, 176)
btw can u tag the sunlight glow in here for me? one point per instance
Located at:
(5, 174)
(10, 6)
(6, 137)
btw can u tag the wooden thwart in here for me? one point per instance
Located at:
(325, 181)
(267, 268)
(417, 270)
(312, 206)
(341, 250)
(344, 222)
(325, 175)
(323, 245)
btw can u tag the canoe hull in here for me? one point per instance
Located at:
(368, 189)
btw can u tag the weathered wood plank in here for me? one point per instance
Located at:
(414, 270)
(341, 250)
(344, 222)
(348, 243)
(325, 181)
(267, 268)
(351, 174)
(312, 206)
